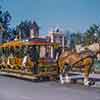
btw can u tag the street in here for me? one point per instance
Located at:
(17, 89)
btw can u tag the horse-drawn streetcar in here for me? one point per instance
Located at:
(31, 59)
(28, 59)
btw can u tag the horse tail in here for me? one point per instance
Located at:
(58, 59)
(58, 53)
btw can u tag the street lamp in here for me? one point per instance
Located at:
(95, 34)
(95, 37)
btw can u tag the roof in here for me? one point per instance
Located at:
(39, 41)
(33, 41)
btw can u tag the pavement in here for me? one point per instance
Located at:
(18, 89)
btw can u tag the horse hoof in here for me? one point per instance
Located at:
(62, 82)
(91, 83)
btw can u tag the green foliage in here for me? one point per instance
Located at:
(78, 38)
(5, 19)
(92, 34)
(24, 28)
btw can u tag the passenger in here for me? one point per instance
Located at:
(24, 62)
(34, 55)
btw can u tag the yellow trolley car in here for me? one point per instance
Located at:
(15, 59)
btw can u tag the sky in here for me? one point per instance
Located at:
(73, 15)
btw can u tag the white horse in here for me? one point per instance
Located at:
(95, 47)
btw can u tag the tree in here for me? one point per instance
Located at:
(78, 38)
(92, 34)
(24, 28)
(5, 19)
(72, 41)
(67, 38)
(12, 33)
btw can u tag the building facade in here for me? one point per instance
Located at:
(56, 36)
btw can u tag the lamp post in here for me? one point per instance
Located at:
(95, 37)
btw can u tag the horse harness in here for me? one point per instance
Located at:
(82, 58)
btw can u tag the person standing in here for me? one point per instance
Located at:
(34, 55)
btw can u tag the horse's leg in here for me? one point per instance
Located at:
(64, 68)
(61, 74)
(61, 78)
(66, 77)
(86, 75)
(87, 69)
(87, 82)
